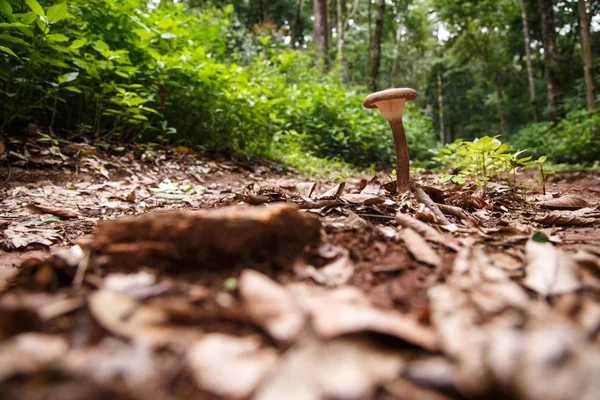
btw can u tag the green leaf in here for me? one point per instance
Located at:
(29, 18)
(68, 77)
(13, 39)
(35, 7)
(540, 237)
(57, 37)
(72, 89)
(12, 25)
(5, 7)
(101, 46)
(8, 51)
(78, 43)
(542, 159)
(57, 12)
(43, 27)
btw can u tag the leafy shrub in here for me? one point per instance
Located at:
(575, 139)
(166, 72)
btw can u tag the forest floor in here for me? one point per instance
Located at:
(237, 280)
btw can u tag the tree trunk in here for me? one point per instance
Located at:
(530, 76)
(441, 104)
(340, 40)
(550, 57)
(395, 57)
(330, 24)
(296, 25)
(500, 111)
(587, 56)
(320, 36)
(376, 62)
(370, 46)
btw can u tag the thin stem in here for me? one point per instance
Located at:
(402, 160)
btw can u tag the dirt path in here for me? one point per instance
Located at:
(385, 302)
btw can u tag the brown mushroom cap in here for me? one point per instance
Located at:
(390, 94)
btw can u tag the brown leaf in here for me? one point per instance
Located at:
(2, 147)
(271, 306)
(427, 231)
(230, 366)
(566, 219)
(123, 316)
(58, 211)
(30, 352)
(335, 191)
(336, 273)
(549, 270)
(362, 199)
(343, 368)
(131, 196)
(347, 310)
(564, 203)
(254, 200)
(306, 189)
(419, 248)
(372, 188)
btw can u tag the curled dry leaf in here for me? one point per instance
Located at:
(424, 198)
(428, 232)
(372, 188)
(124, 317)
(30, 352)
(59, 212)
(336, 273)
(230, 366)
(566, 219)
(564, 203)
(335, 191)
(113, 360)
(549, 270)
(306, 189)
(342, 368)
(271, 306)
(419, 248)
(366, 199)
(347, 310)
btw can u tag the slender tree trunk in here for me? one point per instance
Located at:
(550, 56)
(441, 104)
(330, 24)
(530, 76)
(587, 56)
(500, 110)
(370, 46)
(375, 64)
(296, 25)
(395, 57)
(340, 40)
(320, 32)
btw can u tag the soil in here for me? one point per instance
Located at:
(101, 188)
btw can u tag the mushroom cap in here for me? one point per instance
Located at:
(389, 94)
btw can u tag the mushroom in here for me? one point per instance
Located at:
(390, 103)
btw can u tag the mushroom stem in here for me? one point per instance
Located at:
(402, 164)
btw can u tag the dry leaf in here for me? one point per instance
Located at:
(366, 199)
(113, 360)
(347, 310)
(20, 237)
(336, 273)
(427, 231)
(335, 191)
(306, 189)
(373, 187)
(419, 248)
(549, 270)
(566, 219)
(30, 352)
(271, 306)
(564, 203)
(59, 212)
(230, 366)
(124, 317)
(343, 369)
